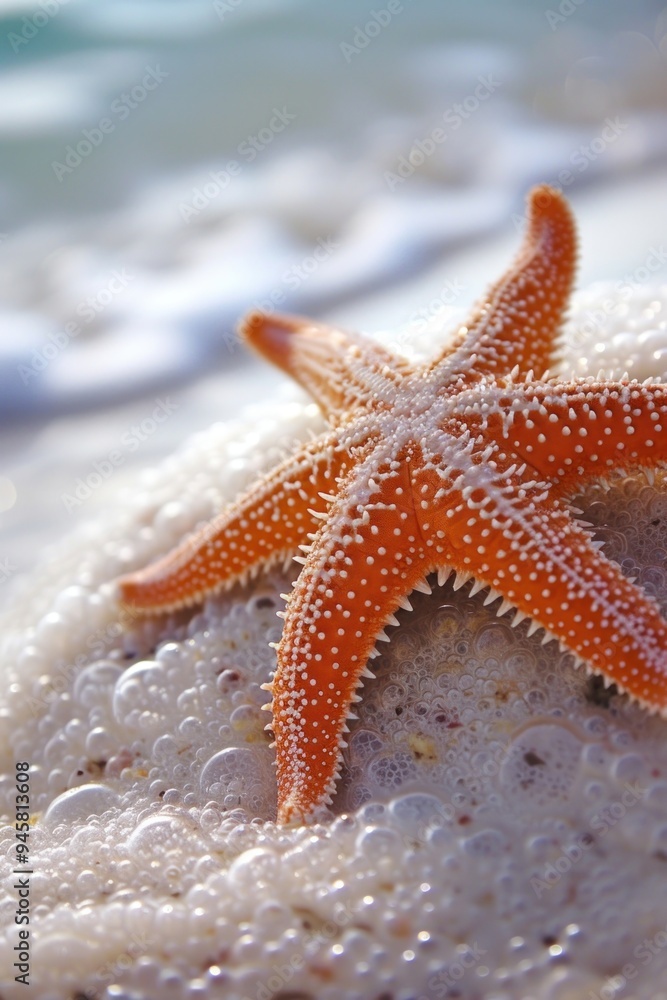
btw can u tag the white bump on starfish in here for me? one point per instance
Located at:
(464, 462)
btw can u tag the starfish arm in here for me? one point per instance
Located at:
(339, 370)
(264, 525)
(574, 432)
(464, 463)
(544, 564)
(362, 564)
(517, 322)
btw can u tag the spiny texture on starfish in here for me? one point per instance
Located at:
(463, 464)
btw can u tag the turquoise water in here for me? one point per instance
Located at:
(206, 151)
(165, 166)
(227, 64)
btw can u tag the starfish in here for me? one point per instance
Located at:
(465, 464)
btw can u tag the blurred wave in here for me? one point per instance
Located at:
(167, 165)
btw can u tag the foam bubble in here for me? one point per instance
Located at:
(492, 796)
(79, 804)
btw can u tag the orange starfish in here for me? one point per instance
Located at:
(462, 464)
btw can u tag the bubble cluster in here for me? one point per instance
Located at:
(500, 829)
(617, 327)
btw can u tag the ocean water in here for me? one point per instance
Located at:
(168, 165)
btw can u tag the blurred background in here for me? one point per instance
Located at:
(169, 164)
